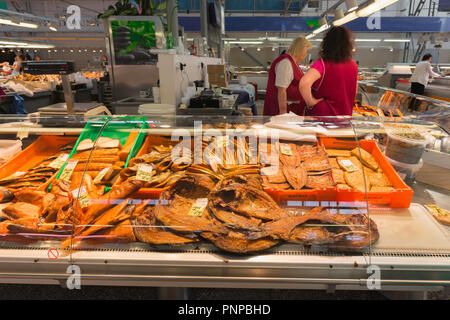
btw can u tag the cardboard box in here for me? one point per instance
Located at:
(217, 75)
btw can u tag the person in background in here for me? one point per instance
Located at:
(25, 55)
(282, 94)
(420, 77)
(329, 86)
(37, 58)
(17, 66)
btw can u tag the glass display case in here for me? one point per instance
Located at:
(246, 202)
(399, 103)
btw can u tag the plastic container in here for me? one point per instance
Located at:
(406, 171)
(404, 150)
(157, 109)
(120, 128)
(400, 197)
(43, 148)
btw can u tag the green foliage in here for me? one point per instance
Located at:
(125, 8)
(142, 34)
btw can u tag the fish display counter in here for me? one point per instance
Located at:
(243, 202)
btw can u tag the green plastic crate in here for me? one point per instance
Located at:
(115, 128)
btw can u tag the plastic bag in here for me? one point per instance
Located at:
(18, 106)
(8, 149)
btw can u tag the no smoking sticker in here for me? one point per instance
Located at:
(53, 254)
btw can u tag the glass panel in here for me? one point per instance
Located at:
(246, 185)
(410, 181)
(388, 102)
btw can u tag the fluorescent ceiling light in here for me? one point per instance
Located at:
(20, 24)
(246, 42)
(309, 36)
(374, 6)
(323, 26)
(15, 43)
(321, 29)
(347, 18)
(397, 40)
(52, 26)
(367, 40)
(351, 5)
(338, 14)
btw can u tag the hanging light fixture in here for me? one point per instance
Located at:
(374, 6)
(52, 26)
(341, 19)
(323, 26)
(351, 5)
(19, 24)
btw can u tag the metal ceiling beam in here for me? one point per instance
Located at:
(287, 5)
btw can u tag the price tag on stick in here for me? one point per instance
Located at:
(198, 207)
(68, 170)
(59, 162)
(286, 149)
(82, 196)
(144, 172)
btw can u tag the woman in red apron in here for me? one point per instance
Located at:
(329, 86)
(282, 93)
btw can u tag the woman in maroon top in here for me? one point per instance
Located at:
(329, 86)
(282, 93)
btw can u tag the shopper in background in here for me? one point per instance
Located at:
(420, 78)
(282, 94)
(17, 66)
(329, 86)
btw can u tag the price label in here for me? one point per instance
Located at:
(22, 133)
(101, 175)
(198, 207)
(68, 170)
(144, 172)
(348, 165)
(15, 175)
(82, 196)
(222, 140)
(59, 162)
(286, 149)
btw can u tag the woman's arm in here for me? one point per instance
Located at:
(432, 73)
(311, 76)
(282, 100)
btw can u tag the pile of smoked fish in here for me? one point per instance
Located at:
(101, 161)
(357, 169)
(37, 176)
(223, 203)
(234, 213)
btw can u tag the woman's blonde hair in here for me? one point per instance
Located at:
(299, 44)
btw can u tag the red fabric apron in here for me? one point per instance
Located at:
(337, 87)
(271, 107)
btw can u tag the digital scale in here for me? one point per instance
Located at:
(63, 68)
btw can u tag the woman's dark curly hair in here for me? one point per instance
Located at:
(337, 45)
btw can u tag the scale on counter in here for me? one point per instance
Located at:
(69, 107)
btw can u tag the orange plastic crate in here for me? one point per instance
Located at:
(401, 197)
(43, 148)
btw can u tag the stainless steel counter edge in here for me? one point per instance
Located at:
(211, 270)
